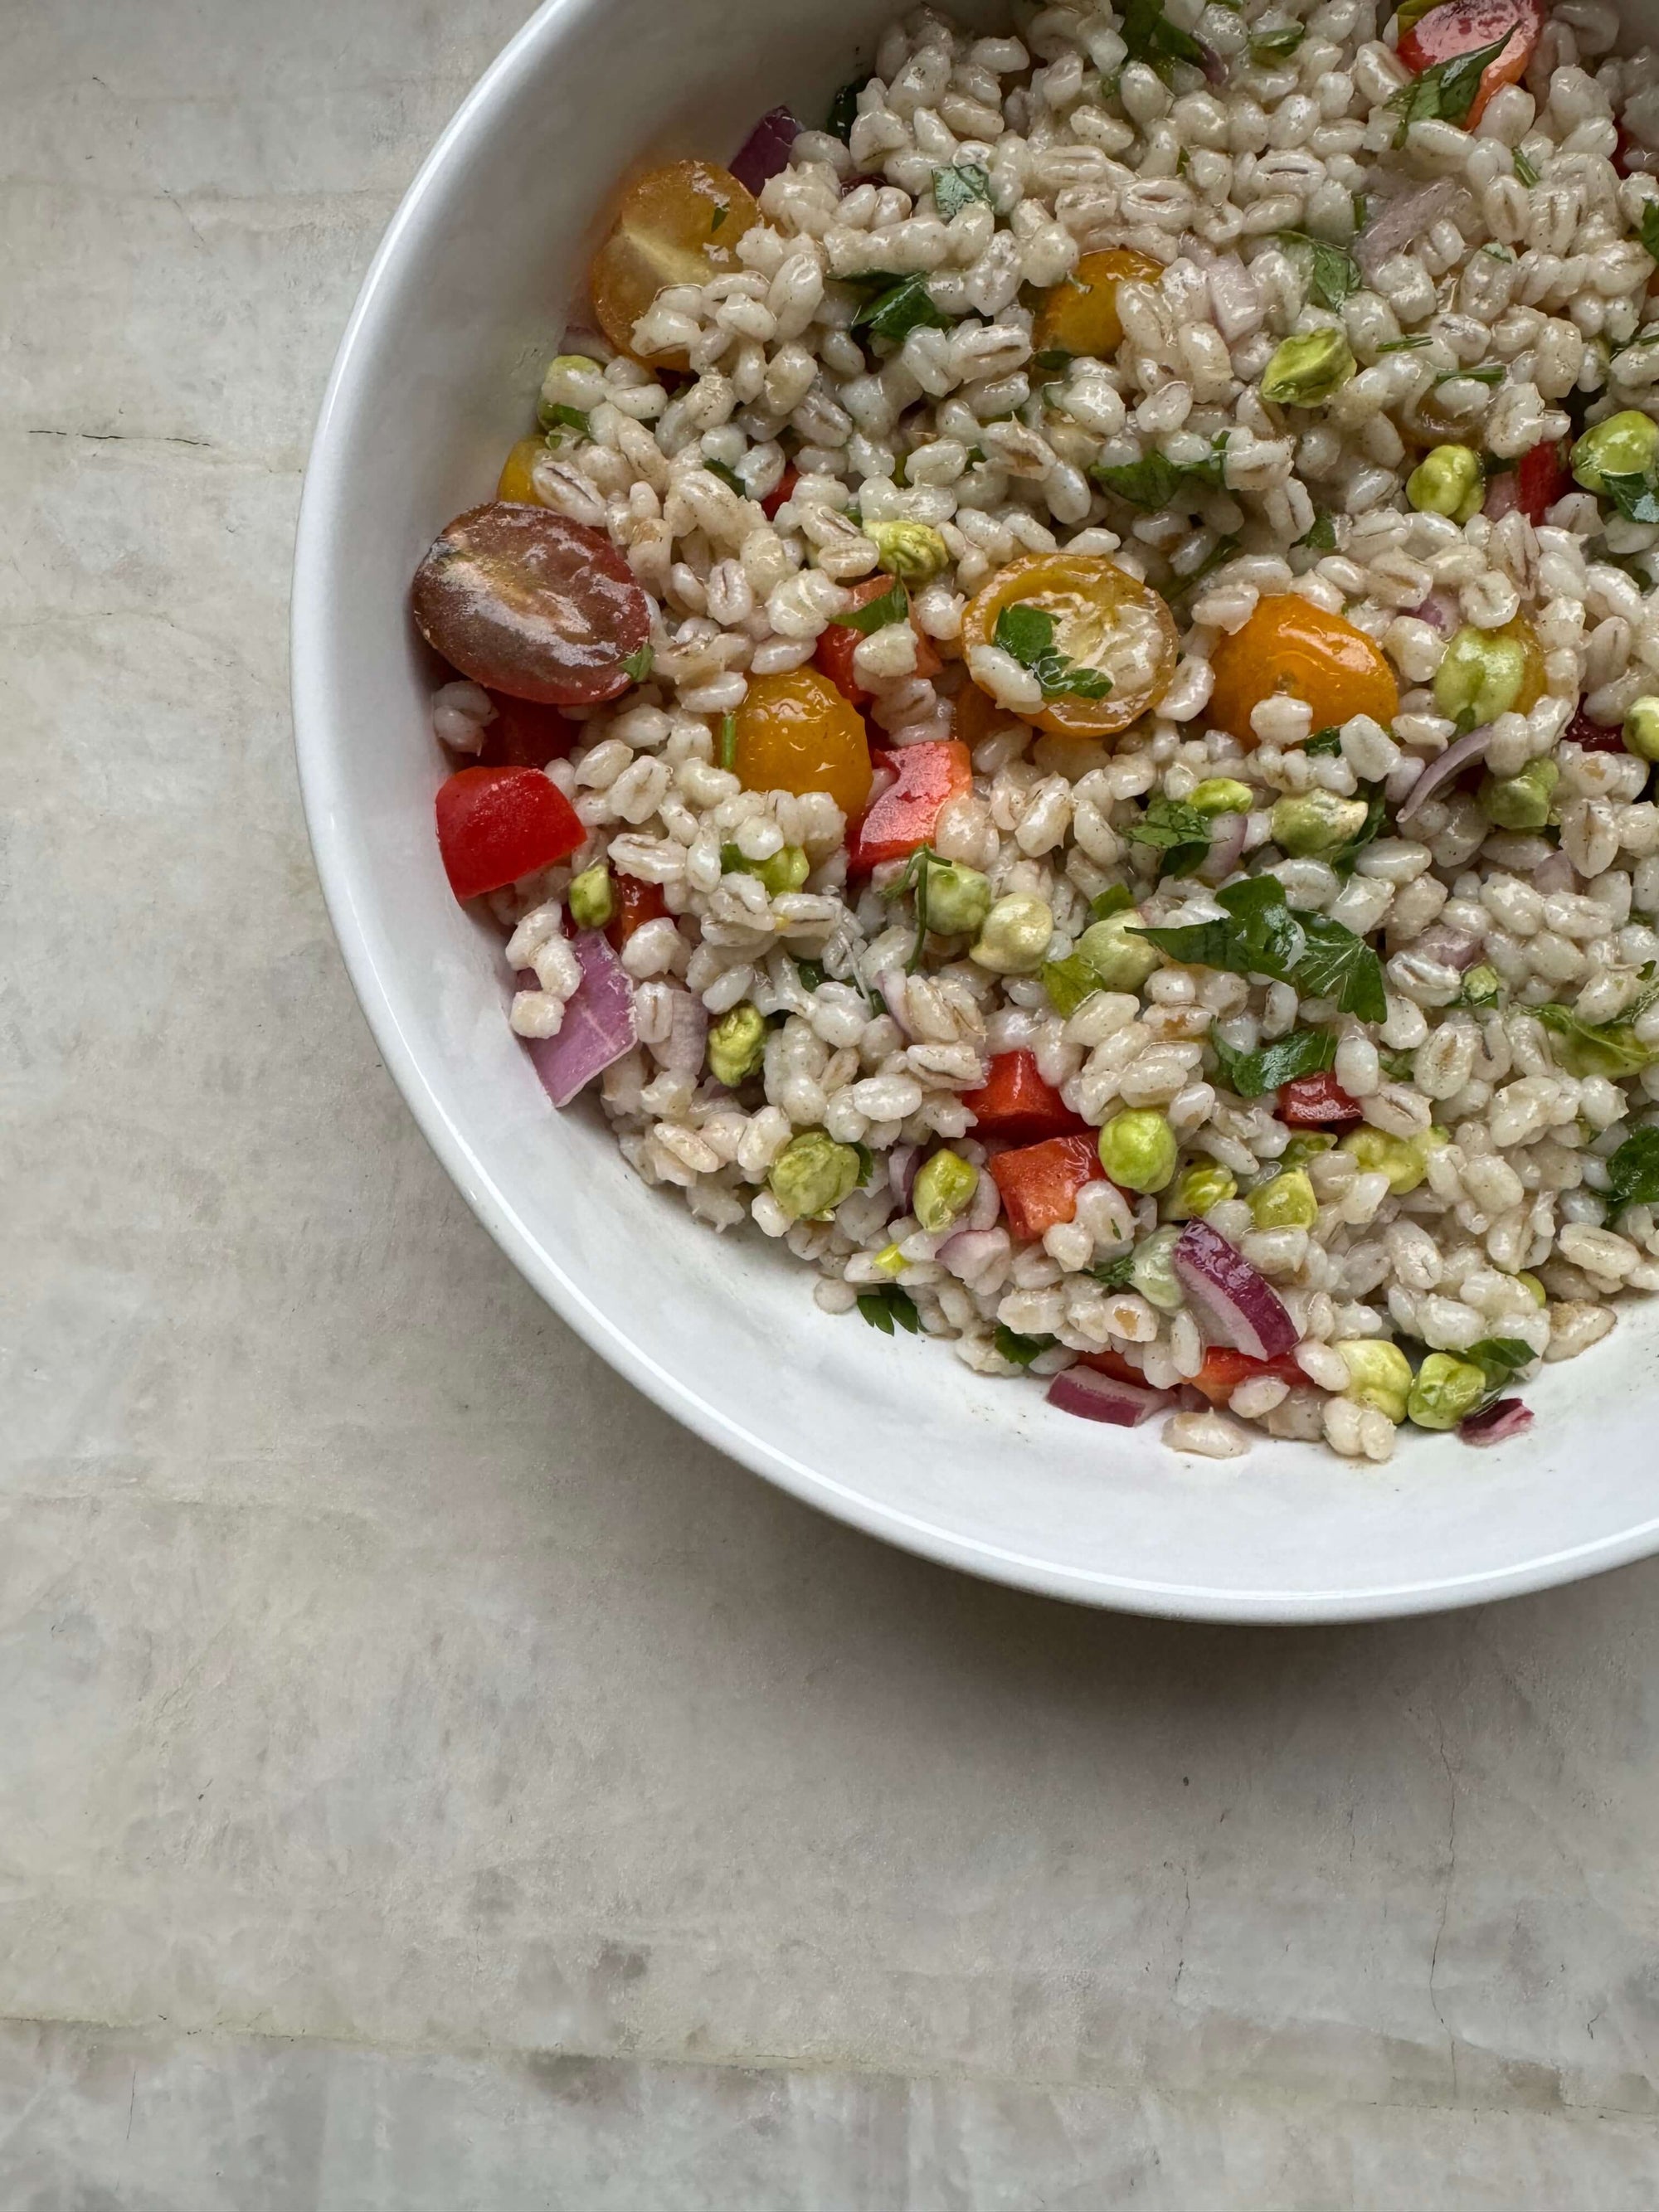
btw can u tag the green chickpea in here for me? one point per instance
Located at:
(1014, 935)
(1523, 801)
(1138, 1150)
(1197, 1189)
(1122, 960)
(944, 1189)
(1308, 370)
(1642, 730)
(1444, 1391)
(1317, 822)
(958, 898)
(786, 871)
(812, 1174)
(1379, 1373)
(1533, 1289)
(590, 898)
(571, 379)
(1286, 1201)
(1625, 445)
(1152, 1270)
(1222, 794)
(737, 1045)
(914, 552)
(1480, 674)
(1375, 1152)
(1446, 480)
(890, 1260)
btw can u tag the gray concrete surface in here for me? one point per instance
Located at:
(427, 1778)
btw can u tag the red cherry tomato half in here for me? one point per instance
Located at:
(636, 903)
(1224, 1370)
(1542, 477)
(1015, 1103)
(496, 825)
(1316, 1102)
(926, 778)
(1040, 1183)
(525, 734)
(1463, 26)
(524, 602)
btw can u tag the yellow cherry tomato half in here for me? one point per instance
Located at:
(518, 483)
(796, 733)
(1104, 621)
(679, 225)
(1292, 648)
(1534, 683)
(1079, 314)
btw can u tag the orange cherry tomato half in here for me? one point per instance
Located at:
(524, 602)
(1104, 620)
(678, 224)
(496, 825)
(796, 733)
(1464, 27)
(1079, 314)
(517, 483)
(1292, 647)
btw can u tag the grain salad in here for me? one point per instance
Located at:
(1060, 710)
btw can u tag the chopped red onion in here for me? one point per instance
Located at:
(681, 1051)
(891, 984)
(766, 150)
(986, 1204)
(1235, 298)
(971, 1250)
(1495, 1424)
(600, 1024)
(1555, 874)
(1448, 947)
(1226, 848)
(901, 1164)
(1462, 753)
(1214, 69)
(1235, 1302)
(1398, 223)
(1097, 1397)
(1440, 610)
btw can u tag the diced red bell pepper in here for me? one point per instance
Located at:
(1463, 26)
(525, 734)
(495, 825)
(783, 489)
(837, 644)
(1040, 1183)
(1224, 1370)
(926, 778)
(1316, 1102)
(1594, 737)
(1015, 1103)
(635, 902)
(1541, 479)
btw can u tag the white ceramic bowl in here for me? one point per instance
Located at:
(436, 376)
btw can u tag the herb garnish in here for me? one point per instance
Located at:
(882, 1308)
(1648, 228)
(1155, 483)
(1335, 276)
(1114, 1274)
(1020, 1350)
(904, 306)
(554, 415)
(1180, 832)
(1323, 743)
(844, 110)
(1253, 1074)
(1633, 1172)
(1263, 935)
(1278, 44)
(1634, 497)
(727, 475)
(1446, 91)
(728, 742)
(960, 186)
(1405, 345)
(893, 606)
(638, 665)
(1322, 535)
(1150, 37)
(1026, 634)
(1524, 170)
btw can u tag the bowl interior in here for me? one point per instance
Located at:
(435, 378)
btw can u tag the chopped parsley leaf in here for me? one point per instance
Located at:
(844, 110)
(905, 307)
(1026, 634)
(1447, 91)
(1323, 743)
(1020, 1350)
(1278, 44)
(1524, 170)
(1253, 1074)
(960, 186)
(1648, 228)
(1150, 37)
(728, 477)
(1334, 275)
(1633, 1172)
(1322, 535)
(893, 606)
(882, 1308)
(638, 665)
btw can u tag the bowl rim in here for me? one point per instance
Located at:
(314, 648)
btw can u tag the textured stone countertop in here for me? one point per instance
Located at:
(431, 1779)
